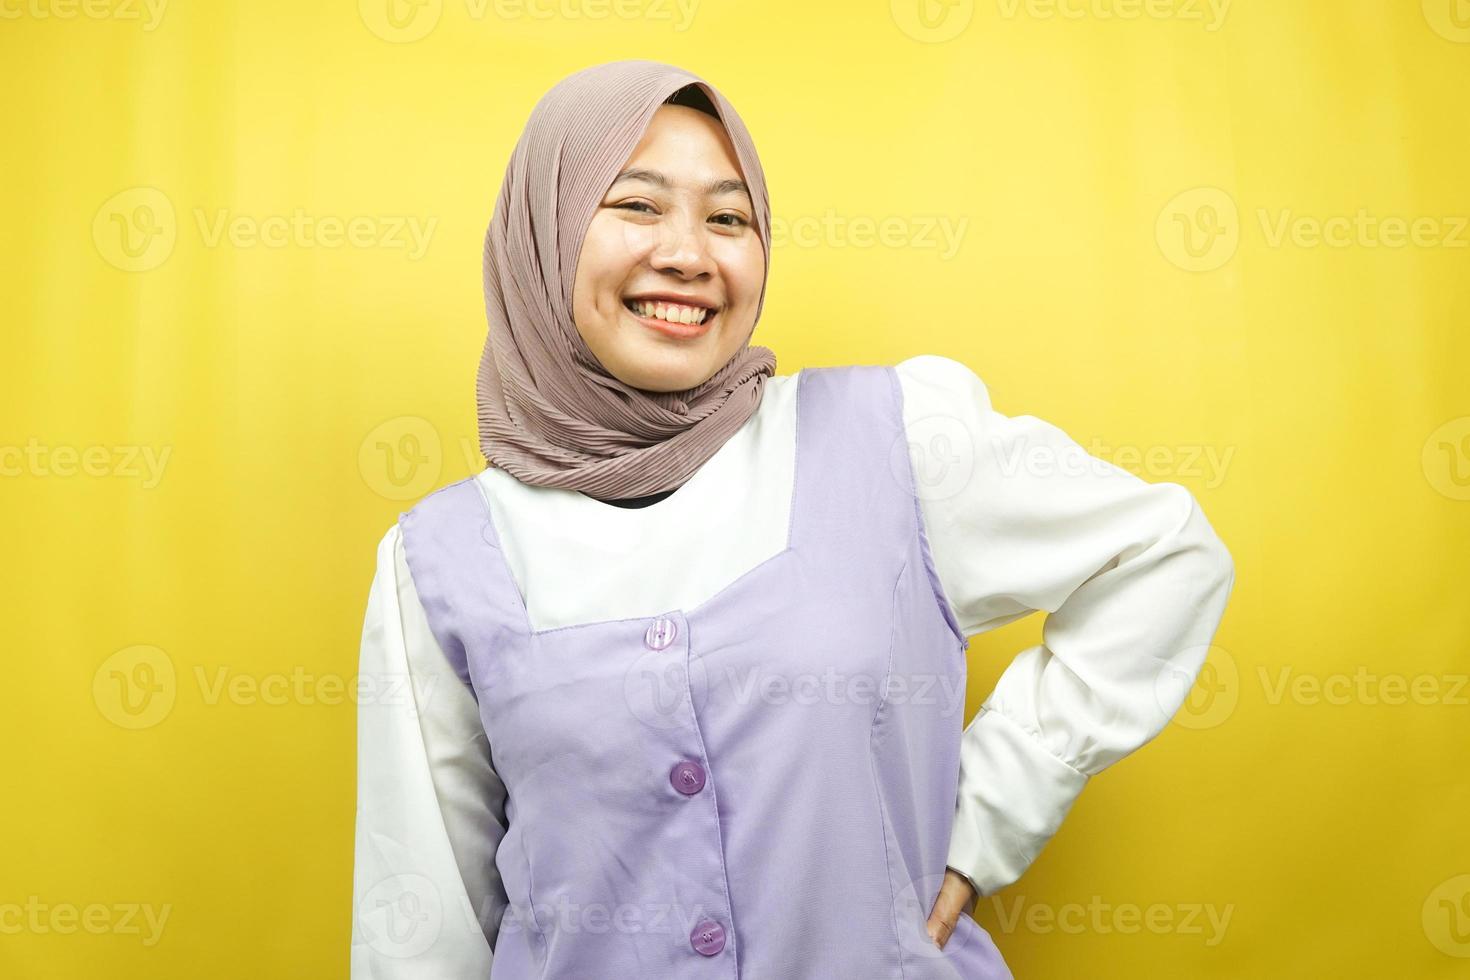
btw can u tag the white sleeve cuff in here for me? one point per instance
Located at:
(1013, 797)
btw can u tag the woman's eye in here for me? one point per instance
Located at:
(634, 206)
(735, 220)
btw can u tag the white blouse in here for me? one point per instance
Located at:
(1019, 518)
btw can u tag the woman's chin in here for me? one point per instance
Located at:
(662, 367)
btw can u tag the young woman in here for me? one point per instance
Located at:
(687, 660)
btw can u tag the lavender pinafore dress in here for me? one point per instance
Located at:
(759, 787)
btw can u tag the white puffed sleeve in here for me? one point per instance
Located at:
(1020, 518)
(430, 808)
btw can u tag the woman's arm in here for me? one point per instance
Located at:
(1132, 574)
(430, 809)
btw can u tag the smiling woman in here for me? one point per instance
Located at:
(560, 262)
(724, 719)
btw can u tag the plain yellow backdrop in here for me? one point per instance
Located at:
(1223, 244)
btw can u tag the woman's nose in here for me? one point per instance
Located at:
(681, 246)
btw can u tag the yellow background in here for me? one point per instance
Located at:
(1136, 185)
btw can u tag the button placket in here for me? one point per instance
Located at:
(687, 776)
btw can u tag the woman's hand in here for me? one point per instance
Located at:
(954, 894)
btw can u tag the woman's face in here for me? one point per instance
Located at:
(673, 239)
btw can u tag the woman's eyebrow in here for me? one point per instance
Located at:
(727, 185)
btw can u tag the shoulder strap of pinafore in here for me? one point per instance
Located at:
(857, 471)
(849, 427)
(462, 580)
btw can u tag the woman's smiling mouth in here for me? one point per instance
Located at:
(683, 320)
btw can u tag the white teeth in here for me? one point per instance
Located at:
(671, 312)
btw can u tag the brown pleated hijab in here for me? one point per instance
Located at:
(549, 413)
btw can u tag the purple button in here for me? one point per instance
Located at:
(708, 937)
(661, 633)
(687, 777)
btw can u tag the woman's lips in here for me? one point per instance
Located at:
(683, 331)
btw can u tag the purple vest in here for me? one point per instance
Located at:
(761, 786)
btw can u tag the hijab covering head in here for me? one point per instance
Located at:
(549, 413)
